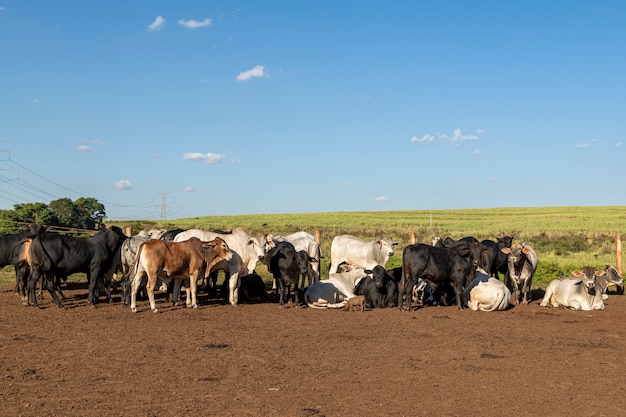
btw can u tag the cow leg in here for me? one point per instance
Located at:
(512, 285)
(233, 288)
(281, 293)
(526, 291)
(32, 286)
(150, 290)
(93, 276)
(458, 290)
(193, 286)
(49, 283)
(134, 287)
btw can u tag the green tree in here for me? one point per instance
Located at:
(34, 213)
(91, 213)
(66, 212)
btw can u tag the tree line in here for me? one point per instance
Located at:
(84, 213)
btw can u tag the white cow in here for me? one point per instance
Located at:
(154, 233)
(485, 293)
(580, 292)
(247, 251)
(357, 252)
(336, 290)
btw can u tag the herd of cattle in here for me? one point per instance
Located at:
(464, 272)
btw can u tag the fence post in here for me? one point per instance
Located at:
(129, 231)
(618, 252)
(316, 234)
(413, 238)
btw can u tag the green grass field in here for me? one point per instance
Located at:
(565, 238)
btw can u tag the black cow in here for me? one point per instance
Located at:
(286, 265)
(380, 289)
(58, 255)
(171, 234)
(436, 265)
(251, 289)
(447, 242)
(495, 261)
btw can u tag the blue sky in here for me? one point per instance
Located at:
(252, 107)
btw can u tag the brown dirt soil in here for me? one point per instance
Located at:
(260, 360)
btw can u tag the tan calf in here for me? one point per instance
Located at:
(356, 303)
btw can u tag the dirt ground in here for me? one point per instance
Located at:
(260, 360)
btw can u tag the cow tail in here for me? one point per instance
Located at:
(136, 262)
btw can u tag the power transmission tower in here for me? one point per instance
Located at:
(164, 206)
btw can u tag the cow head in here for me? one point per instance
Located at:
(587, 275)
(257, 244)
(114, 238)
(614, 278)
(379, 275)
(386, 245)
(505, 241)
(218, 251)
(302, 260)
(35, 229)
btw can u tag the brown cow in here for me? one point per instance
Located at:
(176, 260)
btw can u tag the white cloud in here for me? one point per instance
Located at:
(194, 24)
(480, 131)
(188, 189)
(2, 9)
(258, 72)
(209, 158)
(381, 198)
(123, 185)
(347, 182)
(459, 137)
(158, 23)
(493, 178)
(83, 148)
(423, 139)
(618, 144)
(477, 152)
(36, 100)
(583, 145)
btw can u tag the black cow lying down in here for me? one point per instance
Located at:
(380, 289)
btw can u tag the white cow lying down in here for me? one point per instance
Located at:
(578, 292)
(486, 294)
(334, 291)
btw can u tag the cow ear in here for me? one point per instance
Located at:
(577, 273)
(210, 244)
(526, 251)
(506, 250)
(600, 272)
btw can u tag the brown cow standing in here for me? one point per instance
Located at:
(176, 260)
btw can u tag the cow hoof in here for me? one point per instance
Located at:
(195, 306)
(134, 310)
